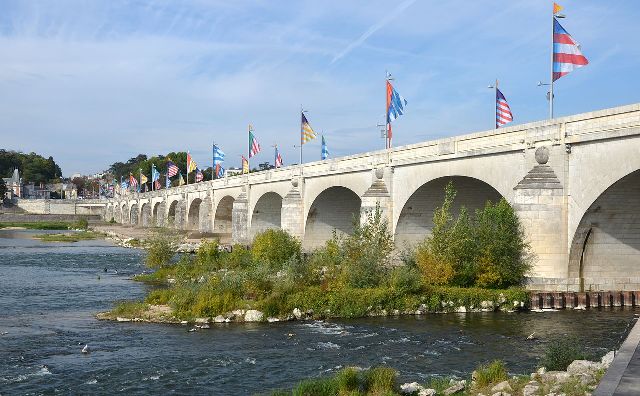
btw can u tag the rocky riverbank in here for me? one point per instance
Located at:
(137, 238)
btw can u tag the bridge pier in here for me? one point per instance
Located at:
(292, 216)
(240, 218)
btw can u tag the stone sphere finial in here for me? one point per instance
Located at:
(542, 155)
(294, 182)
(379, 173)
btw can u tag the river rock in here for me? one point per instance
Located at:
(272, 319)
(202, 320)
(585, 378)
(502, 387)
(461, 309)
(426, 392)
(238, 312)
(556, 376)
(410, 387)
(121, 319)
(501, 394)
(530, 389)
(253, 315)
(297, 313)
(456, 386)
(219, 319)
(607, 359)
(582, 367)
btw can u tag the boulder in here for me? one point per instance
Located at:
(607, 359)
(272, 319)
(410, 387)
(583, 367)
(219, 319)
(555, 376)
(426, 392)
(297, 313)
(121, 319)
(238, 312)
(502, 387)
(253, 315)
(530, 390)
(455, 388)
(202, 320)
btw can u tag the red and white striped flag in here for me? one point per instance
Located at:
(503, 111)
(254, 146)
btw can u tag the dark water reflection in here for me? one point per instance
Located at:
(50, 291)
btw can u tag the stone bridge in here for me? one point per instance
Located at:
(574, 182)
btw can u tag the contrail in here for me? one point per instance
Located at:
(374, 28)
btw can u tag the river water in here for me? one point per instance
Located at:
(49, 293)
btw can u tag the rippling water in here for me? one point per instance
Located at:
(49, 293)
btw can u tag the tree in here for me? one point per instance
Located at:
(3, 189)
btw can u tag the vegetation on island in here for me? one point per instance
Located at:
(68, 237)
(352, 275)
(40, 225)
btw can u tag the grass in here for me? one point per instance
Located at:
(491, 373)
(40, 225)
(70, 237)
(129, 309)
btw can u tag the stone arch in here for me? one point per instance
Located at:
(222, 222)
(157, 214)
(172, 215)
(606, 243)
(145, 215)
(133, 214)
(267, 213)
(333, 209)
(193, 219)
(416, 217)
(124, 213)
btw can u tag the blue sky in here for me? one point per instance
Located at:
(94, 82)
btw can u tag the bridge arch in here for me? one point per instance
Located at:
(415, 221)
(267, 213)
(133, 214)
(606, 243)
(172, 215)
(335, 208)
(145, 215)
(222, 222)
(123, 213)
(157, 214)
(198, 215)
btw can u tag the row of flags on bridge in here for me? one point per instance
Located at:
(567, 56)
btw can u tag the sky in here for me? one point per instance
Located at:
(95, 82)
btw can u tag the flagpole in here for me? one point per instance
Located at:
(495, 120)
(248, 149)
(301, 134)
(213, 159)
(187, 172)
(139, 184)
(553, 20)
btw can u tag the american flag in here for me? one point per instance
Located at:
(172, 169)
(133, 181)
(278, 162)
(503, 112)
(254, 147)
(199, 175)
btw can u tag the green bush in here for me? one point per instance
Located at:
(491, 373)
(488, 250)
(380, 379)
(274, 247)
(347, 380)
(405, 280)
(81, 224)
(561, 352)
(160, 251)
(208, 253)
(316, 387)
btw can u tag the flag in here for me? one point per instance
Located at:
(395, 106)
(157, 184)
(245, 165)
(218, 155)
(566, 52)
(180, 180)
(556, 8)
(133, 182)
(219, 171)
(278, 161)
(503, 111)
(191, 164)
(325, 150)
(124, 184)
(155, 175)
(307, 133)
(199, 175)
(143, 179)
(172, 169)
(167, 182)
(254, 147)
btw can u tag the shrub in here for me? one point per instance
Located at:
(488, 250)
(274, 248)
(160, 251)
(240, 257)
(316, 387)
(81, 224)
(405, 280)
(491, 373)
(380, 379)
(112, 221)
(561, 352)
(347, 380)
(208, 253)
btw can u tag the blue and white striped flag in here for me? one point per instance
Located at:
(218, 155)
(325, 149)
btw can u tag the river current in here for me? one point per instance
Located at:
(50, 292)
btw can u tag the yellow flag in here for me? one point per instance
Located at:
(143, 179)
(245, 165)
(556, 8)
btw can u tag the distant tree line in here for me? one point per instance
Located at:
(33, 167)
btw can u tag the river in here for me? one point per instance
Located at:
(49, 293)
